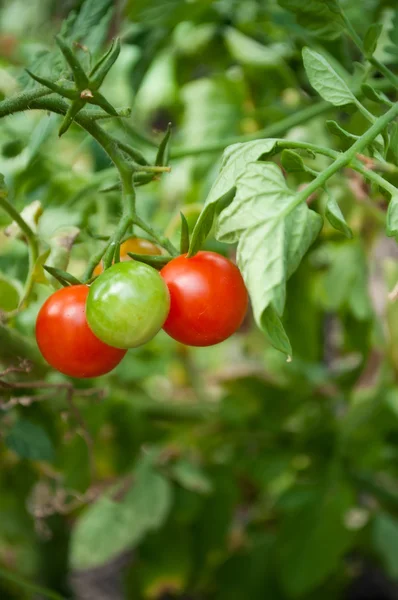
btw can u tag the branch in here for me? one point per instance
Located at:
(348, 158)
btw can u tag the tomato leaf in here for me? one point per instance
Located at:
(184, 240)
(109, 527)
(325, 80)
(336, 218)
(234, 161)
(275, 332)
(292, 162)
(29, 440)
(273, 232)
(371, 38)
(154, 261)
(63, 277)
(337, 130)
(374, 95)
(162, 156)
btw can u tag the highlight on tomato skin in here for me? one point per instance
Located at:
(135, 245)
(208, 298)
(65, 339)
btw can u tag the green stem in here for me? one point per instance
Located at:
(114, 242)
(291, 144)
(32, 244)
(376, 63)
(22, 101)
(30, 587)
(163, 241)
(375, 178)
(346, 158)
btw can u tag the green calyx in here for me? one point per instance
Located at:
(85, 89)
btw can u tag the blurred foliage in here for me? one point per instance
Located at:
(224, 473)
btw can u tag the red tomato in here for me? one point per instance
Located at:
(208, 298)
(65, 339)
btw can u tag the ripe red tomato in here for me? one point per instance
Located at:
(136, 246)
(208, 298)
(65, 339)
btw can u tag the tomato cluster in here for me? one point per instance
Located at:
(85, 331)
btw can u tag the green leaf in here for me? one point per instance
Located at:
(109, 527)
(184, 240)
(323, 17)
(234, 162)
(63, 277)
(155, 261)
(325, 80)
(250, 52)
(292, 162)
(162, 156)
(205, 221)
(371, 37)
(275, 332)
(103, 66)
(385, 541)
(29, 440)
(314, 539)
(91, 24)
(273, 228)
(78, 73)
(10, 293)
(191, 477)
(336, 218)
(372, 94)
(392, 218)
(344, 135)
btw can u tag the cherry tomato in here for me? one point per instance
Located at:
(208, 298)
(127, 304)
(136, 246)
(66, 341)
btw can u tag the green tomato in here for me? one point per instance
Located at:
(127, 304)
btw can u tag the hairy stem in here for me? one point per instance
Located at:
(348, 158)
(376, 63)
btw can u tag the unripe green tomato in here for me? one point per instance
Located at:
(127, 304)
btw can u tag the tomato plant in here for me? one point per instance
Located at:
(65, 339)
(127, 305)
(261, 467)
(208, 299)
